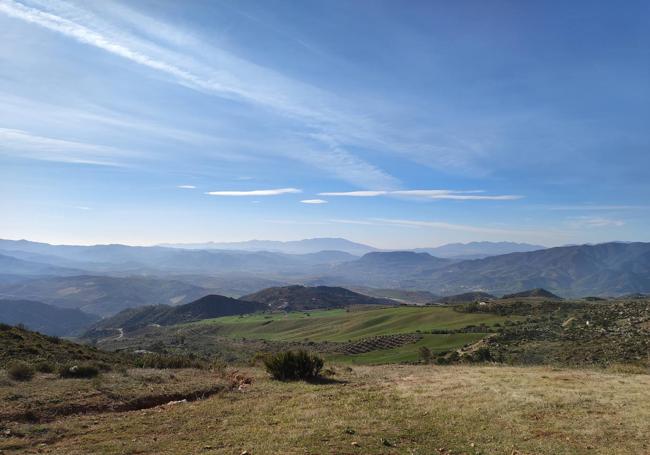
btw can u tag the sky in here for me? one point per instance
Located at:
(396, 124)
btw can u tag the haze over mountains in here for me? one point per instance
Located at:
(106, 279)
(478, 250)
(291, 247)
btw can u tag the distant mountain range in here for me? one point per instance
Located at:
(105, 279)
(472, 250)
(574, 271)
(290, 247)
(32, 258)
(102, 295)
(394, 269)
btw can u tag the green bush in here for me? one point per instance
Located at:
(292, 366)
(20, 371)
(79, 371)
(169, 361)
(424, 353)
(45, 366)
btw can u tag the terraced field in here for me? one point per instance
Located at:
(343, 326)
(409, 352)
(372, 335)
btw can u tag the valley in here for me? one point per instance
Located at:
(418, 352)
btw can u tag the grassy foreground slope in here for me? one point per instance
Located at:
(382, 410)
(339, 325)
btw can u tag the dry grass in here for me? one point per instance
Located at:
(385, 410)
(48, 397)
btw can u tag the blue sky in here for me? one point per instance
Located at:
(399, 124)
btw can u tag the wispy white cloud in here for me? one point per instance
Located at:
(187, 187)
(27, 145)
(274, 192)
(469, 195)
(588, 207)
(355, 193)
(314, 201)
(580, 222)
(232, 78)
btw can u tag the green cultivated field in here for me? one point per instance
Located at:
(339, 325)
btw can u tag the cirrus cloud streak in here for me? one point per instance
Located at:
(273, 192)
(459, 195)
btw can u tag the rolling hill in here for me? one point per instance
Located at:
(44, 318)
(208, 307)
(27, 345)
(467, 297)
(538, 292)
(295, 298)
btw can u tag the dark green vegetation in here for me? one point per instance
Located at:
(44, 318)
(537, 292)
(300, 298)
(20, 371)
(293, 365)
(210, 306)
(467, 297)
(79, 371)
(575, 333)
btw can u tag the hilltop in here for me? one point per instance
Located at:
(292, 298)
(537, 292)
(208, 307)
